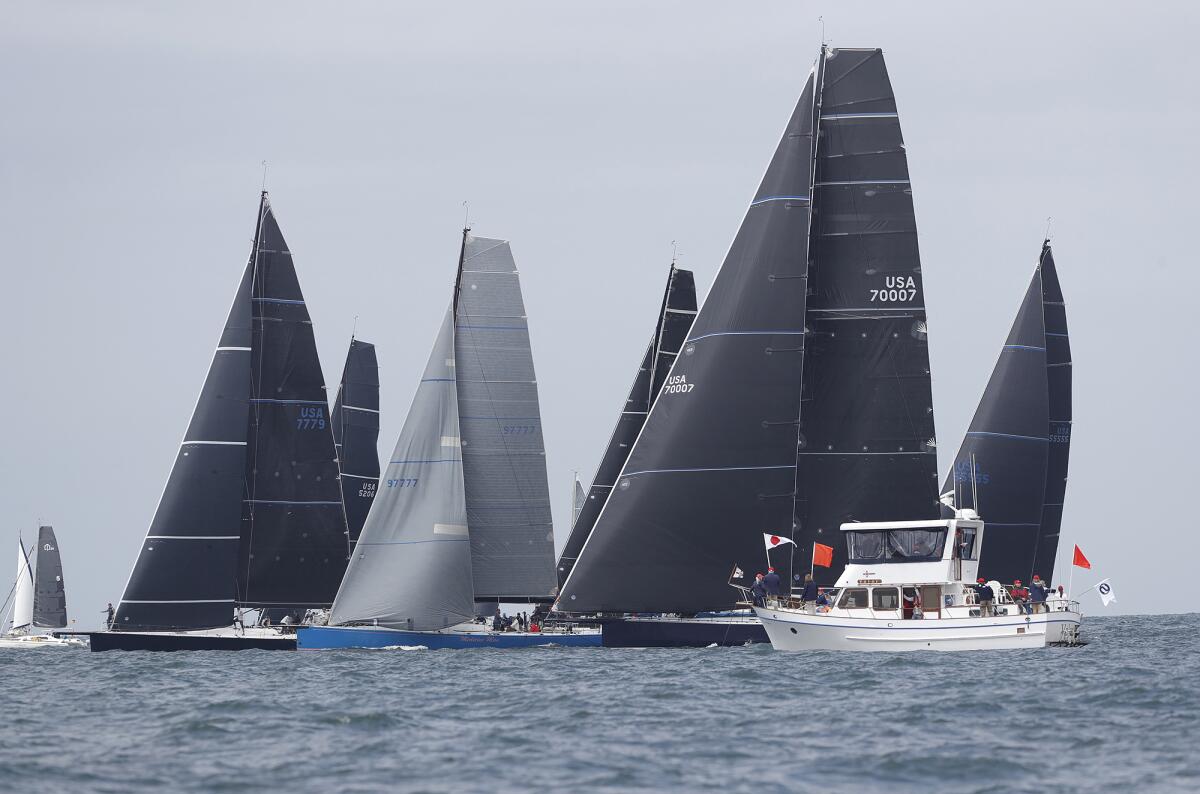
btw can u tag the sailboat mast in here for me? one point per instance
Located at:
(462, 256)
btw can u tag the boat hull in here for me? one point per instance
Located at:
(33, 641)
(682, 632)
(334, 637)
(792, 631)
(189, 641)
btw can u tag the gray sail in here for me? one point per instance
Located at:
(411, 568)
(49, 598)
(504, 458)
(578, 501)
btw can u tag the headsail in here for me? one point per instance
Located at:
(411, 568)
(49, 598)
(294, 543)
(184, 574)
(866, 447)
(356, 433)
(1014, 455)
(504, 457)
(22, 614)
(674, 319)
(578, 498)
(714, 465)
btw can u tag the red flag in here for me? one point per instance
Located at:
(1080, 560)
(822, 555)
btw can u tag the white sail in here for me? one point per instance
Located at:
(22, 592)
(411, 568)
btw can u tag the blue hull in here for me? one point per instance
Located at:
(328, 637)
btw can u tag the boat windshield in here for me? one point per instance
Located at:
(895, 545)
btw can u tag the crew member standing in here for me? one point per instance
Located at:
(758, 590)
(771, 582)
(111, 613)
(1037, 594)
(808, 597)
(985, 595)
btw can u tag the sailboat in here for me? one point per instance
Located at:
(463, 516)
(356, 433)
(674, 319)
(252, 518)
(38, 597)
(1012, 465)
(802, 397)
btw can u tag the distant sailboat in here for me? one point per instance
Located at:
(463, 515)
(252, 515)
(356, 433)
(1014, 456)
(674, 319)
(802, 397)
(38, 597)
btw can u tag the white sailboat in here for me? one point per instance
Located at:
(909, 587)
(38, 604)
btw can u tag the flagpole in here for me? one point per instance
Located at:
(1071, 578)
(812, 562)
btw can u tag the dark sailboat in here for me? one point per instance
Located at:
(674, 319)
(802, 397)
(38, 599)
(1012, 465)
(356, 433)
(252, 514)
(49, 594)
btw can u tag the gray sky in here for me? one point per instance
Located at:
(591, 136)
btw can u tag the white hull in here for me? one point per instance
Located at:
(791, 630)
(28, 641)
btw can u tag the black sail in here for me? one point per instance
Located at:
(866, 446)
(1012, 464)
(714, 466)
(674, 319)
(49, 597)
(184, 575)
(294, 544)
(356, 433)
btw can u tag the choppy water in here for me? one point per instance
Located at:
(1123, 711)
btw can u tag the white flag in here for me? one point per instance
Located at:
(1106, 592)
(774, 541)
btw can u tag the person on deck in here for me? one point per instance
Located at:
(771, 582)
(497, 621)
(1037, 594)
(758, 590)
(1020, 595)
(808, 596)
(985, 595)
(111, 613)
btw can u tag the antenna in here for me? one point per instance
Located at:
(974, 487)
(821, 22)
(354, 329)
(264, 182)
(674, 253)
(1048, 220)
(466, 215)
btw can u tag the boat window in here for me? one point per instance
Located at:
(966, 543)
(853, 598)
(865, 546)
(885, 598)
(896, 545)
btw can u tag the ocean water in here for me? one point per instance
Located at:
(1121, 713)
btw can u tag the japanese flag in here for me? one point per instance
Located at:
(1106, 592)
(774, 541)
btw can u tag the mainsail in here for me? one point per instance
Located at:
(49, 597)
(294, 541)
(807, 364)
(674, 319)
(503, 454)
(22, 614)
(411, 568)
(1014, 455)
(356, 433)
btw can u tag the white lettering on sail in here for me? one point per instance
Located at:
(895, 289)
(677, 384)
